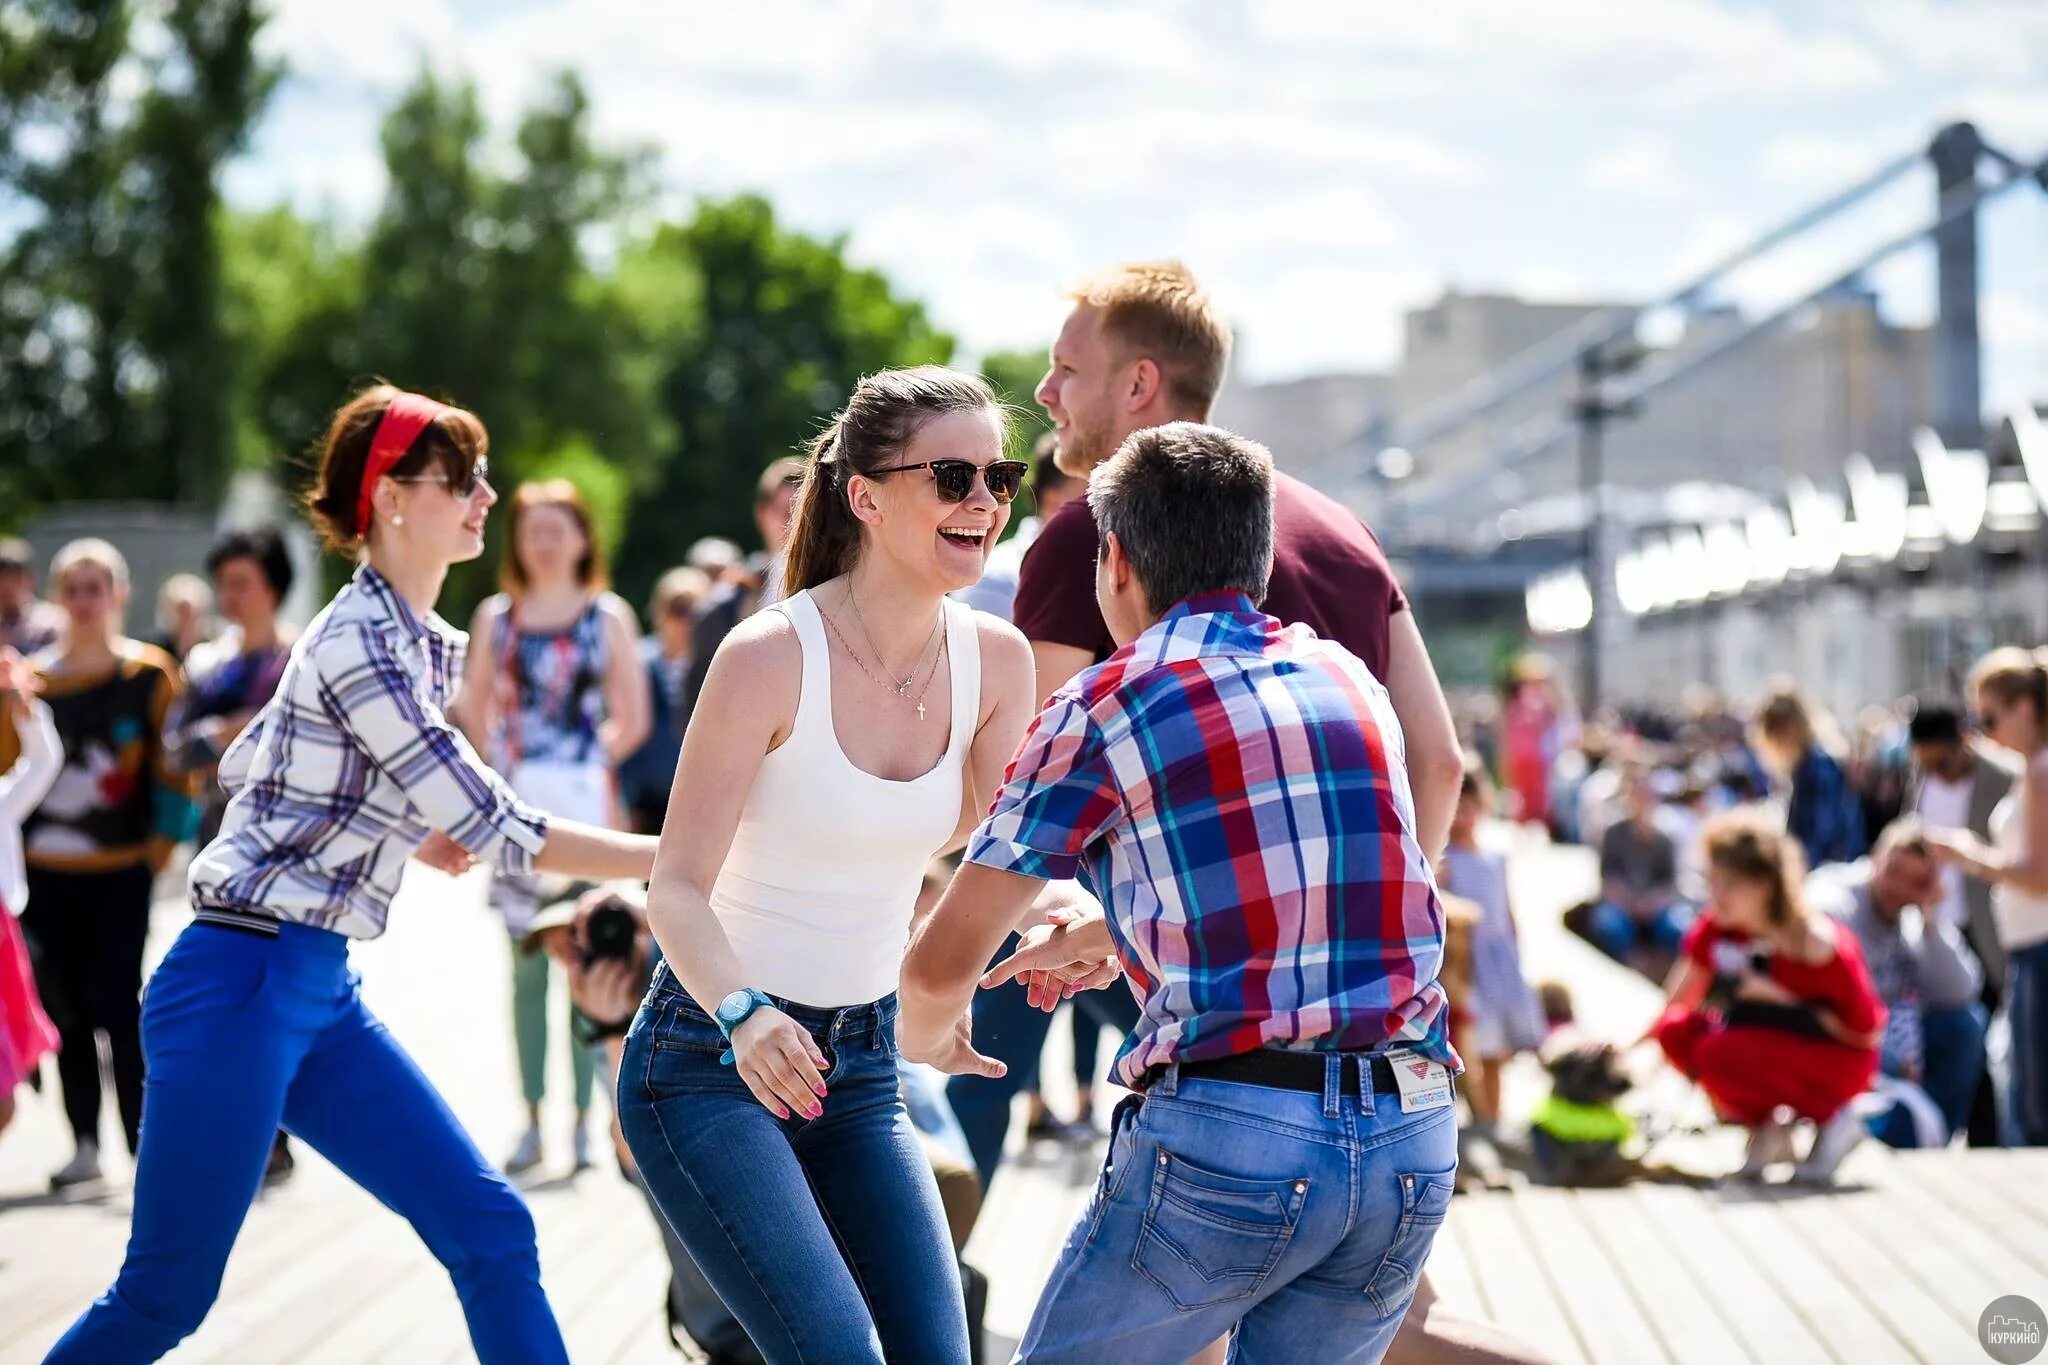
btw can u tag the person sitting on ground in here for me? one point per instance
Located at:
(1822, 810)
(1771, 1008)
(1639, 918)
(1926, 975)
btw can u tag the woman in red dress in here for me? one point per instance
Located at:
(1771, 1010)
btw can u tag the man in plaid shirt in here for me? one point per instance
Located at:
(1234, 792)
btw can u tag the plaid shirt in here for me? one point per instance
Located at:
(1234, 792)
(348, 768)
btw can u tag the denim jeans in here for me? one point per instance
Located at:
(243, 1032)
(2026, 1012)
(1299, 1220)
(825, 1237)
(1620, 933)
(1951, 1064)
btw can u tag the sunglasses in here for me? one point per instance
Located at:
(479, 475)
(955, 478)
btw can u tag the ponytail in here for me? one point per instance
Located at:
(866, 437)
(824, 534)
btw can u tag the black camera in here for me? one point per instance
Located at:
(609, 931)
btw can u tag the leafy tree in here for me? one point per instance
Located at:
(113, 381)
(784, 328)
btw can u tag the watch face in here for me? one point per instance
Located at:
(734, 1005)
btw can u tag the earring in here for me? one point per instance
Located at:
(397, 520)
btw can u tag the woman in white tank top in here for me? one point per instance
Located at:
(842, 739)
(2009, 688)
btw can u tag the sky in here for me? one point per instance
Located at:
(1322, 165)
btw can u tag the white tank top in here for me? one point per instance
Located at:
(817, 891)
(2022, 917)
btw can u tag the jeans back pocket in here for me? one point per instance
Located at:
(1209, 1238)
(1425, 1199)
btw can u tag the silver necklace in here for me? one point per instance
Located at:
(901, 689)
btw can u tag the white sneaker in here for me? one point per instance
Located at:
(1834, 1141)
(82, 1169)
(526, 1155)
(580, 1145)
(1770, 1143)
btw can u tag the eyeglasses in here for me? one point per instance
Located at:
(955, 478)
(479, 476)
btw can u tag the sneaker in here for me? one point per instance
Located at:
(1770, 1143)
(1835, 1140)
(526, 1155)
(82, 1169)
(580, 1144)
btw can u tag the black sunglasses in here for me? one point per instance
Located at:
(479, 474)
(955, 478)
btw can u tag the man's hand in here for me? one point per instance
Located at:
(443, 854)
(952, 1051)
(1059, 959)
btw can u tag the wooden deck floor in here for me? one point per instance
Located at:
(1896, 1267)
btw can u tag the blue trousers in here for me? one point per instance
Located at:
(243, 1033)
(824, 1236)
(1951, 1063)
(2026, 1012)
(1297, 1222)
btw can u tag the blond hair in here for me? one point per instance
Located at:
(91, 552)
(2010, 674)
(1154, 310)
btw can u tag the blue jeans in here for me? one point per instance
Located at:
(1620, 934)
(825, 1237)
(1300, 1220)
(243, 1032)
(2026, 1012)
(1951, 1063)
(1010, 1029)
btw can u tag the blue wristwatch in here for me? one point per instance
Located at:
(735, 1010)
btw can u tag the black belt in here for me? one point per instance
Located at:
(1279, 1070)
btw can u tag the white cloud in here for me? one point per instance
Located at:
(1983, 40)
(1822, 162)
(1644, 165)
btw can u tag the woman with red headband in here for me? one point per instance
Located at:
(253, 1021)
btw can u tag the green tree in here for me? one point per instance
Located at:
(1014, 375)
(113, 128)
(783, 329)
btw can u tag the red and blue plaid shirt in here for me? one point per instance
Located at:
(1234, 792)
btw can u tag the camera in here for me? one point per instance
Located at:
(610, 929)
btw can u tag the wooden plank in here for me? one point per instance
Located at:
(1932, 1217)
(628, 1308)
(1603, 1311)
(1837, 1317)
(1688, 1222)
(1449, 1267)
(1682, 1308)
(1912, 1314)
(1919, 1242)
(1952, 1181)
(1513, 1277)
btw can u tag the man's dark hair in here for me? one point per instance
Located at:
(1192, 506)
(265, 547)
(1935, 722)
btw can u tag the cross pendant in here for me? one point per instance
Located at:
(920, 710)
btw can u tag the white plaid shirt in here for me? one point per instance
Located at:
(348, 768)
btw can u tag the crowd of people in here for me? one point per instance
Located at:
(816, 857)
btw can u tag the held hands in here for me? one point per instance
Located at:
(780, 1062)
(443, 854)
(1069, 954)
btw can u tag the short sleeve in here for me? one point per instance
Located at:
(1058, 797)
(1698, 943)
(1056, 585)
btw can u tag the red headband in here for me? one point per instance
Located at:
(401, 425)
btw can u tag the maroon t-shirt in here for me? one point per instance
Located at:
(1328, 572)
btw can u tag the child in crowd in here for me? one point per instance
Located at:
(1505, 1016)
(26, 1034)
